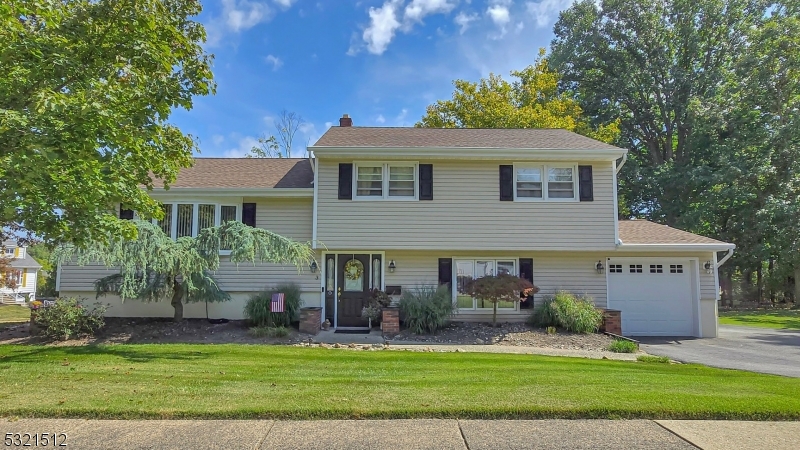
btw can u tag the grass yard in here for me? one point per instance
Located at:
(249, 381)
(14, 314)
(764, 318)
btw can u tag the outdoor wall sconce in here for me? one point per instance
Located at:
(392, 266)
(708, 266)
(599, 267)
(313, 267)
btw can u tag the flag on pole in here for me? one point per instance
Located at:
(277, 302)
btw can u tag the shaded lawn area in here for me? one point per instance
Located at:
(764, 318)
(13, 314)
(244, 381)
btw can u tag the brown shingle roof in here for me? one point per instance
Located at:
(246, 173)
(519, 138)
(645, 232)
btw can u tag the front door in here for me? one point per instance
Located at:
(353, 278)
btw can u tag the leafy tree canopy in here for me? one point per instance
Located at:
(86, 90)
(499, 288)
(532, 101)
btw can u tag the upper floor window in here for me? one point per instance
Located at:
(9, 252)
(386, 181)
(559, 182)
(186, 219)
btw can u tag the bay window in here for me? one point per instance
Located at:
(472, 269)
(545, 182)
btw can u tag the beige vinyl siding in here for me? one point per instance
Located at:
(287, 217)
(466, 212)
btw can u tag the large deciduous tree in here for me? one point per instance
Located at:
(86, 91)
(533, 100)
(153, 267)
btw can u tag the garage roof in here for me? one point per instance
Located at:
(643, 232)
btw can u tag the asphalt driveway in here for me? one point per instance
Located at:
(762, 350)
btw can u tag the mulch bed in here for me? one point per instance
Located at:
(514, 334)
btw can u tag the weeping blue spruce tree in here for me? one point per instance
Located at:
(153, 267)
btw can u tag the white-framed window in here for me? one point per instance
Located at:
(386, 181)
(188, 218)
(15, 276)
(551, 182)
(9, 252)
(470, 269)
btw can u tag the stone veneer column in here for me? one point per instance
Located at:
(310, 320)
(390, 320)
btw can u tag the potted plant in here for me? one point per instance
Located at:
(377, 301)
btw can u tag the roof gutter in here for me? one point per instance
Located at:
(624, 158)
(725, 258)
(473, 153)
(234, 192)
(677, 247)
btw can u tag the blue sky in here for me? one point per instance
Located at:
(381, 61)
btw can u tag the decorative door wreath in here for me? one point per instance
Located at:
(353, 269)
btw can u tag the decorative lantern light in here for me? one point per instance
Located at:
(313, 266)
(392, 266)
(708, 266)
(599, 267)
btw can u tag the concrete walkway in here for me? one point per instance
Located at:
(411, 434)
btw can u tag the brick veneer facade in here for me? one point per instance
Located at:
(612, 321)
(310, 320)
(390, 321)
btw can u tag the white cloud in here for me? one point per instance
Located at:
(275, 61)
(380, 119)
(545, 12)
(418, 9)
(217, 139)
(463, 20)
(388, 19)
(243, 14)
(500, 15)
(401, 118)
(382, 27)
(285, 3)
(245, 144)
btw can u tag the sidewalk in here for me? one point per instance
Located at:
(412, 434)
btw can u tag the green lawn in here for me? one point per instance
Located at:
(13, 314)
(765, 318)
(242, 381)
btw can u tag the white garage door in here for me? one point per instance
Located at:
(654, 295)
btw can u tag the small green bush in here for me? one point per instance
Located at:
(622, 346)
(653, 359)
(570, 312)
(269, 332)
(68, 317)
(257, 311)
(427, 308)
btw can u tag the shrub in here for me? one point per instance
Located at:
(257, 308)
(652, 359)
(568, 311)
(427, 308)
(68, 317)
(378, 300)
(499, 288)
(622, 346)
(269, 332)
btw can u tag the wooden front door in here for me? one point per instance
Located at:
(353, 279)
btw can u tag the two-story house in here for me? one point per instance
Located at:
(396, 208)
(24, 270)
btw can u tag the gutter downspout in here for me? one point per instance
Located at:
(725, 258)
(624, 158)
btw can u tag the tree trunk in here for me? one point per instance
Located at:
(177, 302)
(759, 282)
(494, 315)
(797, 284)
(771, 277)
(728, 277)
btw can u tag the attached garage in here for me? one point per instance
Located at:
(657, 296)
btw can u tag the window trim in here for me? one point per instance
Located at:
(454, 275)
(385, 181)
(544, 167)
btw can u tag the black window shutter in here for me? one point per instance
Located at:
(125, 214)
(249, 214)
(446, 272)
(586, 183)
(506, 183)
(345, 181)
(426, 181)
(526, 273)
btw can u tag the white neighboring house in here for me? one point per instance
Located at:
(25, 271)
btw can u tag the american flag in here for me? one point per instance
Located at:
(277, 302)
